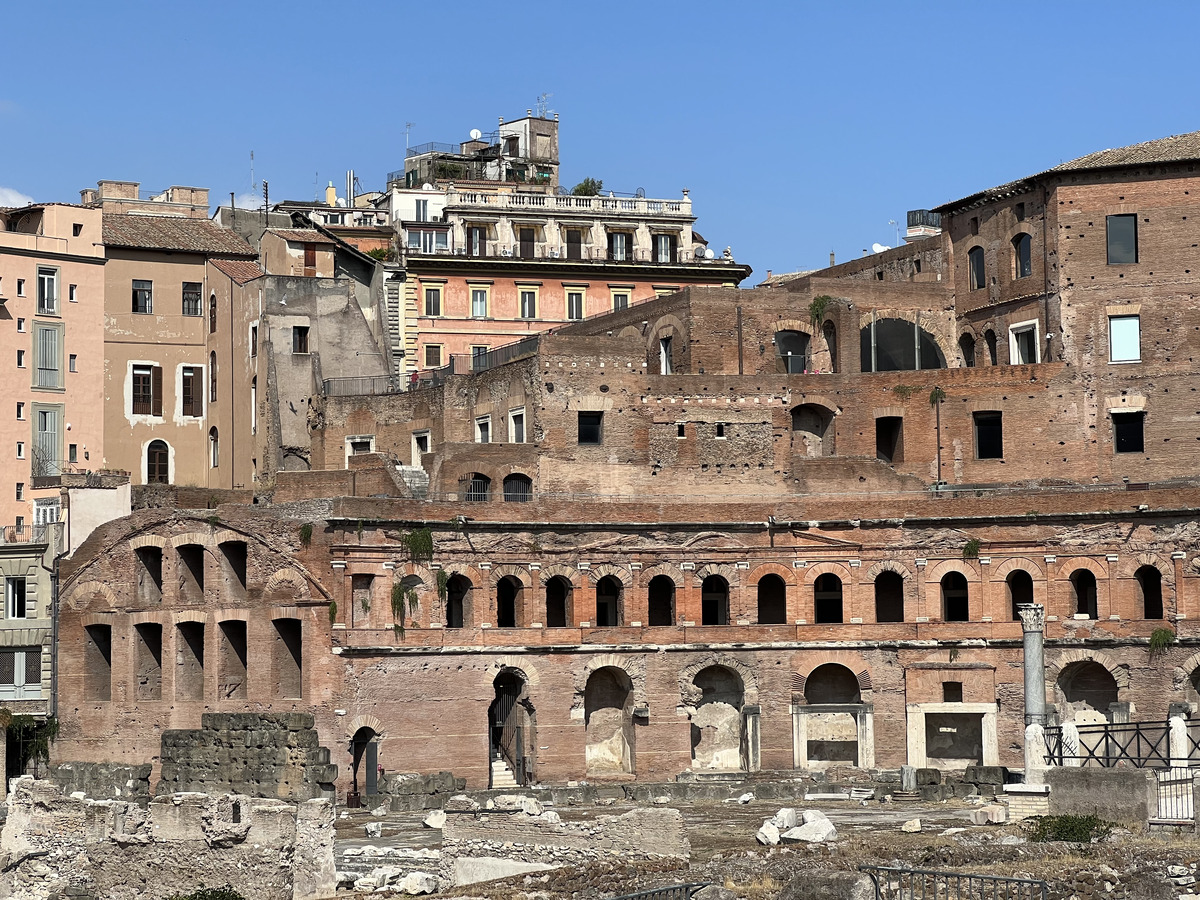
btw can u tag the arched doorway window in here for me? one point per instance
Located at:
(458, 593)
(364, 753)
(558, 602)
(889, 597)
(1083, 593)
(1149, 581)
(718, 732)
(956, 605)
(479, 487)
(827, 599)
(157, 463)
(608, 721)
(1087, 690)
(661, 600)
(511, 727)
(212, 377)
(509, 593)
(812, 430)
(518, 489)
(1020, 590)
(609, 591)
(792, 348)
(829, 330)
(714, 601)
(897, 345)
(772, 600)
(214, 448)
(966, 345)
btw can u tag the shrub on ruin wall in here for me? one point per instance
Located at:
(1074, 829)
(224, 893)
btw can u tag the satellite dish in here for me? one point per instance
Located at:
(879, 248)
(640, 193)
(476, 134)
(427, 186)
(708, 253)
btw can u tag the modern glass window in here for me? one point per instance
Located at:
(1124, 338)
(620, 301)
(143, 297)
(1023, 343)
(528, 304)
(574, 304)
(193, 291)
(48, 343)
(483, 430)
(516, 426)
(433, 356)
(591, 427)
(977, 268)
(47, 296)
(1129, 432)
(1022, 256)
(433, 301)
(479, 302)
(989, 435)
(1122, 240)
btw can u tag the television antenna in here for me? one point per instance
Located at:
(407, 128)
(896, 228)
(543, 105)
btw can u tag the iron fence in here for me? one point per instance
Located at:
(358, 385)
(1144, 745)
(669, 892)
(24, 534)
(1175, 800)
(928, 884)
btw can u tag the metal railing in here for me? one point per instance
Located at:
(432, 147)
(359, 385)
(570, 203)
(1176, 804)
(667, 892)
(1144, 745)
(543, 250)
(893, 883)
(24, 534)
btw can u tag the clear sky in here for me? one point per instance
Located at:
(800, 128)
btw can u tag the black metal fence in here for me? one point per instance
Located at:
(927, 884)
(1144, 745)
(670, 892)
(1176, 805)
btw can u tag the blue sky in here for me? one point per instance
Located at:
(800, 128)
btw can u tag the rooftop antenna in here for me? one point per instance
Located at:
(407, 128)
(253, 183)
(543, 105)
(316, 186)
(896, 229)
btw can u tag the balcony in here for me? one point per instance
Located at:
(550, 204)
(544, 250)
(25, 533)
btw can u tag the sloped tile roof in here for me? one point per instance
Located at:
(240, 270)
(300, 235)
(173, 233)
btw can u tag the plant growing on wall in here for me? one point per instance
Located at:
(816, 309)
(306, 533)
(359, 530)
(936, 396)
(419, 544)
(971, 548)
(332, 611)
(31, 737)
(1160, 640)
(207, 893)
(443, 580)
(904, 391)
(404, 603)
(589, 187)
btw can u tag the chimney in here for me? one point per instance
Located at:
(831, 262)
(331, 195)
(768, 274)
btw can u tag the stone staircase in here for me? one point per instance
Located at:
(502, 776)
(417, 480)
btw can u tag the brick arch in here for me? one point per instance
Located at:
(1119, 671)
(286, 579)
(81, 596)
(557, 570)
(661, 325)
(725, 660)
(147, 540)
(518, 572)
(787, 574)
(794, 325)
(726, 571)
(1019, 562)
(413, 570)
(630, 331)
(841, 570)
(633, 666)
(367, 721)
(1130, 567)
(227, 534)
(1070, 564)
(472, 574)
(886, 565)
(193, 537)
(667, 569)
(806, 662)
(622, 575)
(518, 663)
(1185, 669)
(813, 400)
(935, 573)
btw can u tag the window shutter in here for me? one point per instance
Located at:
(156, 391)
(674, 249)
(611, 241)
(197, 393)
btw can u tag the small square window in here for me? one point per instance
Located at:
(20, 287)
(143, 297)
(433, 356)
(1129, 432)
(72, 363)
(76, 229)
(1023, 344)
(483, 430)
(680, 429)
(299, 338)
(1124, 338)
(72, 293)
(193, 292)
(20, 410)
(73, 453)
(952, 692)
(20, 490)
(1122, 240)
(20, 359)
(478, 351)
(591, 427)
(620, 301)
(989, 435)
(720, 430)
(20, 326)
(20, 449)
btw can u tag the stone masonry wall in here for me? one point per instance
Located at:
(102, 781)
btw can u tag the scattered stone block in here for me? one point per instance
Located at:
(714, 892)
(786, 818)
(373, 829)
(912, 826)
(816, 829)
(531, 807)
(435, 819)
(418, 883)
(380, 811)
(994, 775)
(745, 798)
(928, 777)
(768, 834)
(908, 778)
(461, 803)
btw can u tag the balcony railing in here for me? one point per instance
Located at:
(24, 534)
(361, 385)
(544, 250)
(551, 203)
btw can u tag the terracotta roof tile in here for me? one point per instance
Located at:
(300, 235)
(240, 270)
(1176, 148)
(173, 233)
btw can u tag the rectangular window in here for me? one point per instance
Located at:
(525, 242)
(72, 453)
(20, 449)
(528, 304)
(20, 359)
(977, 268)
(359, 446)
(422, 213)
(477, 241)
(516, 426)
(680, 429)
(147, 390)
(253, 341)
(21, 673)
(20, 490)
(433, 301)
(192, 302)
(620, 246)
(20, 410)
(664, 248)
(575, 304)
(479, 302)
(1022, 256)
(20, 325)
(889, 439)
(478, 352)
(952, 692)
(989, 435)
(420, 445)
(1124, 338)
(47, 451)
(1128, 432)
(299, 338)
(20, 287)
(49, 358)
(1122, 240)
(72, 293)
(591, 427)
(15, 595)
(47, 296)
(574, 244)
(483, 430)
(433, 356)
(620, 301)
(191, 391)
(664, 356)
(1023, 343)
(143, 297)
(72, 363)
(76, 229)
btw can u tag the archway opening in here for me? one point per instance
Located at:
(458, 594)
(989, 339)
(832, 683)
(1083, 593)
(157, 463)
(1149, 581)
(897, 345)
(511, 731)
(608, 722)
(1087, 692)
(718, 738)
(661, 601)
(364, 753)
(558, 602)
(956, 605)
(714, 601)
(509, 594)
(827, 599)
(1020, 591)
(832, 735)
(889, 597)
(609, 592)
(793, 349)
(812, 430)
(966, 346)
(829, 330)
(772, 600)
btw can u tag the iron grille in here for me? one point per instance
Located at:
(919, 884)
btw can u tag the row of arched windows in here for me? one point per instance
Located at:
(606, 606)
(518, 488)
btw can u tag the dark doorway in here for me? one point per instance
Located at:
(458, 592)
(955, 601)
(608, 602)
(714, 601)
(772, 600)
(661, 601)
(1020, 590)
(508, 596)
(510, 726)
(558, 602)
(1149, 581)
(1083, 586)
(365, 754)
(889, 597)
(889, 439)
(827, 599)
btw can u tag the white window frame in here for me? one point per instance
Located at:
(1112, 343)
(483, 429)
(353, 439)
(47, 299)
(416, 450)
(512, 426)
(626, 294)
(522, 292)
(10, 597)
(486, 291)
(19, 690)
(1019, 328)
(582, 295)
(20, 449)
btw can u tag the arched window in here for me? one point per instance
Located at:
(889, 597)
(827, 599)
(212, 377)
(966, 344)
(831, 683)
(254, 405)
(608, 602)
(772, 600)
(157, 463)
(976, 268)
(792, 348)
(898, 345)
(509, 593)
(830, 332)
(214, 448)
(1083, 590)
(813, 431)
(1020, 590)
(558, 602)
(518, 489)
(212, 313)
(714, 601)
(458, 594)
(1022, 256)
(1149, 581)
(989, 338)
(479, 486)
(661, 600)
(955, 600)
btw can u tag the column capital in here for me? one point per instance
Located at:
(1033, 616)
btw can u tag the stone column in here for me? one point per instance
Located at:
(1033, 624)
(752, 715)
(1178, 740)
